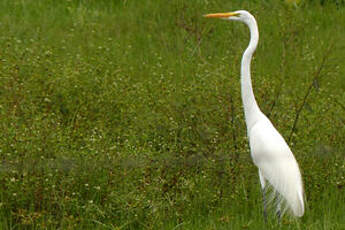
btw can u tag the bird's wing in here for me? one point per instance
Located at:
(277, 164)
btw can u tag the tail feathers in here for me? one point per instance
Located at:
(293, 193)
(286, 190)
(298, 209)
(284, 202)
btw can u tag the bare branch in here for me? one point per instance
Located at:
(317, 76)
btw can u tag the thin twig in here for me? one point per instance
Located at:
(317, 76)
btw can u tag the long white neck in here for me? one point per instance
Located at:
(251, 109)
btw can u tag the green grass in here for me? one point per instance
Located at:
(127, 114)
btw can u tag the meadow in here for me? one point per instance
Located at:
(127, 114)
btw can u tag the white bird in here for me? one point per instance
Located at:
(270, 153)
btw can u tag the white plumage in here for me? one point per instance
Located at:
(271, 154)
(276, 164)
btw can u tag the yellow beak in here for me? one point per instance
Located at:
(221, 15)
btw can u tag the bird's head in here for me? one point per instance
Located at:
(239, 15)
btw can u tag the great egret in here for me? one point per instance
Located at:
(270, 153)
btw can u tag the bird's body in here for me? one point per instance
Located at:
(270, 153)
(276, 164)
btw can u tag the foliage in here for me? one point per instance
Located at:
(127, 114)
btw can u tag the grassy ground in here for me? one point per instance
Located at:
(127, 114)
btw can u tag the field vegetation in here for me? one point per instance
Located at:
(127, 114)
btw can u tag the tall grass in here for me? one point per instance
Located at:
(127, 114)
